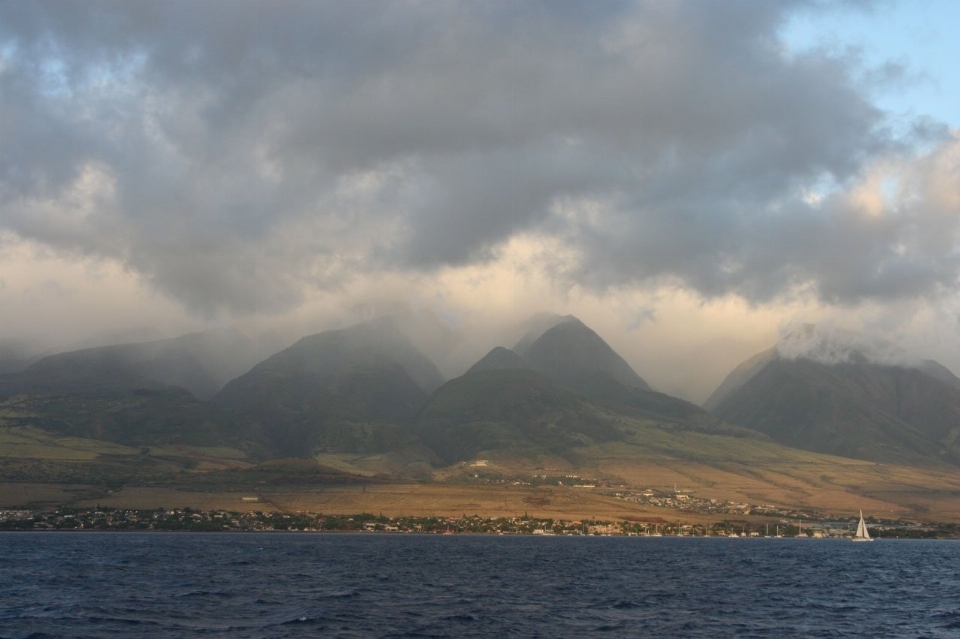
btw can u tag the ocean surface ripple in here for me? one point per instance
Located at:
(98, 585)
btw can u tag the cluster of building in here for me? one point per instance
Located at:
(687, 502)
(187, 519)
(477, 473)
(677, 499)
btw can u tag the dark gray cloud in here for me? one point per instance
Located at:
(237, 154)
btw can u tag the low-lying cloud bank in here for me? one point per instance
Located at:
(830, 345)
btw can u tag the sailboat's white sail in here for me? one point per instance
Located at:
(862, 534)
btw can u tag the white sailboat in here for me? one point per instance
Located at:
(862, 534)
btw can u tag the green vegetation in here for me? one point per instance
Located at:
(514, 412)
(571, 353)
(341, 391)
(34, 443)
(133, 417)
(865, 411)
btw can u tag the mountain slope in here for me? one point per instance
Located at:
(521, 413)
(939, 371)
(609, 394)
(738, 377)
(514, 412)
(145, 418)
(848, 406)
(348, 390)
(499, 358)
(16, 355)
(198, 362)
(123, 409)
(571, 353)
(534, 327)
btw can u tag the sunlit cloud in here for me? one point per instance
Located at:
(679, 175)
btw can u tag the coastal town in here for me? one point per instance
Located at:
(674, 506)
(189, 520)
(675, 498)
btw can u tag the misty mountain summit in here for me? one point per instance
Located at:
(826, 346)
(131, 394)
(562, 388)
(572, 353)
(368, 389)
(346, 390)
(199, 362)
(499, 358)
(535, 326)
(836, 393)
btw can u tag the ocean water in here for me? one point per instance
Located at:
(101, 585)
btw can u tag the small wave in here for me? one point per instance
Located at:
(120, 620)
(267, 602)
(224, 594)
(460, 617)
(950, 620)
(689, 592)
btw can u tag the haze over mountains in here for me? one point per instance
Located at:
(368, 389)
(199, 362)
(353, 389)
(824, 392)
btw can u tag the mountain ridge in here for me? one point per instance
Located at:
(571, 352)
(367, 389)
(350, 389)
(846, 404)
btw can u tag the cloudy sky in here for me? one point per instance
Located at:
(689, 178)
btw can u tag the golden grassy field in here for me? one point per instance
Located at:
(741, 470)
(33, 443)
(881, 491)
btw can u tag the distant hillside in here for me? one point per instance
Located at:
(738, 377)
(616, 397)
(536, 326)
(573, 354)
(198, 362)
(846, 406)
(940, 372)
(516, 412)
(124, 410)
(500, 358)
(136, 394)
(345, 390)
(560, 390)
(16, 355)
(509, 412)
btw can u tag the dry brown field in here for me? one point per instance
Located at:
(408, 499)
(830, 486)
(834, 487)
(739, 470)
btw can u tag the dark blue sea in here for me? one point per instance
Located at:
(331, 585)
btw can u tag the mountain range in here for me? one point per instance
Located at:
(560, 392)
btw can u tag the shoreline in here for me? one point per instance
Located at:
(223, 521)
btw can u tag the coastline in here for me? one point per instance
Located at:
(222, 521)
